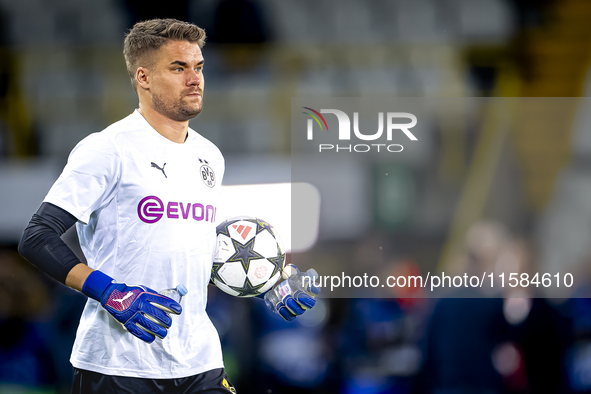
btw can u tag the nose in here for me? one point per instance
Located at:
(194, 78)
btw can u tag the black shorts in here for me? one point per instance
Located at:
(214, 382)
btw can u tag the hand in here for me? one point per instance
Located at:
(296, 293)
(141, 310)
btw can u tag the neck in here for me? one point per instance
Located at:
(168, 128)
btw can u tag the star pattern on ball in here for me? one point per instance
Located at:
(215, 269)
(248, 289)
(277, 261)
(244, 253)
(262, 225)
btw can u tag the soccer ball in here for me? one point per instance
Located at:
(249, 257)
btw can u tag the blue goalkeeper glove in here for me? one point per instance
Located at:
(141, 310)
(295, 295)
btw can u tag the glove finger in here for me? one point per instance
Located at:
(145, 324)
(311, 283)
(292, 306)
(284, 312)
(156, 315)
(305, 301)
(168, 305)
(289, 270)
(314, 289)
(138, 332)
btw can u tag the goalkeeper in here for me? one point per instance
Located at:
(145, 220)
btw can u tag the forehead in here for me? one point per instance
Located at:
(179, 50)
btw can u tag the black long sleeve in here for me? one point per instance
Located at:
(42, 245)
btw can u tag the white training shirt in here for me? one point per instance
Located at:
(146, 208)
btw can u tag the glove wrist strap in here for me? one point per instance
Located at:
(96, 284)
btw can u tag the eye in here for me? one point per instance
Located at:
(179, 69)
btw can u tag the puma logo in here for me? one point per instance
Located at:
(124, 298)
(154, 165)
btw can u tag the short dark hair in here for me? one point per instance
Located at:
(148, 36)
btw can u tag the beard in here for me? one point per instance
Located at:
(180, 110)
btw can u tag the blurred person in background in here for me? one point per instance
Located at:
(513, 344)
(293, 357)
(533, 357)
(463, 331)
(376, 347)
(379, 338)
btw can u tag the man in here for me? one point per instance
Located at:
(119, 186)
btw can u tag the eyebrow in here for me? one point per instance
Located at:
(184, 64)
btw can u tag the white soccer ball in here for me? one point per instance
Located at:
(249, 257)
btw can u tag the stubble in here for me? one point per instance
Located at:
(179, 111)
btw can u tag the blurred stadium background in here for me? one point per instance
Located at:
(482, 195)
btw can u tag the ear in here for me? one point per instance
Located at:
(142, 78)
